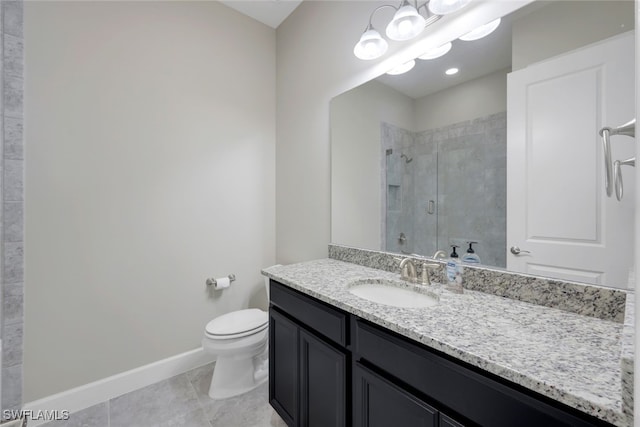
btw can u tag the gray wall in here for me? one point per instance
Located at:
(151, 166)
(12, 227)
(568, 25)
(355, 160)
(465, 101)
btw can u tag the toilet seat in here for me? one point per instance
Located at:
(237, 324)
(239, 341)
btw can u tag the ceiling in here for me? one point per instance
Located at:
(474, 59)
(269, 12)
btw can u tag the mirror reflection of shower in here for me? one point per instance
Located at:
(409, 178)
(445, 186)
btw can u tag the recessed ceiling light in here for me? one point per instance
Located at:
(451, 71)
(436, 52)
(403, 68)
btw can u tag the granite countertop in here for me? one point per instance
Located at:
(568, 357)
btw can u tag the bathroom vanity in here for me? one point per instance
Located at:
(473, 359)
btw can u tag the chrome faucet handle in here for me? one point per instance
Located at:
(408, 270)
(424, 274)
(440, 254)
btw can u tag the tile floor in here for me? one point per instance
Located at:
(181, 401)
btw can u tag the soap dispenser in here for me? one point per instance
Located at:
(471, 257)
(454, 271)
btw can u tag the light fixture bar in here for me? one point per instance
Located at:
(371, 44)
(445, 7)
(436, 52)
(481, 31)
(406, 24)
(402, 68)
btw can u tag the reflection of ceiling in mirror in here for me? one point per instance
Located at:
(474, 59)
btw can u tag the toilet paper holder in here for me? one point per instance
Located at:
(213, 282)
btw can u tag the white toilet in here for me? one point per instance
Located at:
(239, 340)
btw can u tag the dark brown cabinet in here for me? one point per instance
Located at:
(283, 366)
(322, 383)
(307, 372)
(328, 368)
(448, 422)
(380, 403)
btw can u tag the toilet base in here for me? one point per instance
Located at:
(233, 376)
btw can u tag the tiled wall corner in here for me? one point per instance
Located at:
(12, 197)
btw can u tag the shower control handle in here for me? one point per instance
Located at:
(431, 207)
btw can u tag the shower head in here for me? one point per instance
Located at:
(406, 158)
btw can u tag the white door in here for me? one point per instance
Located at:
(557, 207)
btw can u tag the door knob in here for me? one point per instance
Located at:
(517, 251)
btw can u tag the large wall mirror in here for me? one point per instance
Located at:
(506, 153)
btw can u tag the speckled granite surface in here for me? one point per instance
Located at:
(627, 353)
(568, 357)
(594, 301)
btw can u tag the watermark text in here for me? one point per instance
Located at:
(41, 415)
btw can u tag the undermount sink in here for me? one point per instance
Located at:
(395, 293)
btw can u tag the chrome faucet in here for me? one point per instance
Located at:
(440, 254)
(408, 270)
(424, 273)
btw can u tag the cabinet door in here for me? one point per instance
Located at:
(448, 422)
(283, 367)
(379, 403)
(322, 383)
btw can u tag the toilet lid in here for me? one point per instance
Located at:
(238, 323)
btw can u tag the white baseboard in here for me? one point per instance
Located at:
(102, 390)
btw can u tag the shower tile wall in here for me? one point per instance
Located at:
(12, 224)
(462, 167)
(424, 194)
(397, 186)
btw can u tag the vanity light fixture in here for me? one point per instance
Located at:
(402, 68)
(436, 52)
(451, 71)
(445, 7)
(481, 31)
(407, 23)
(371, 45)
